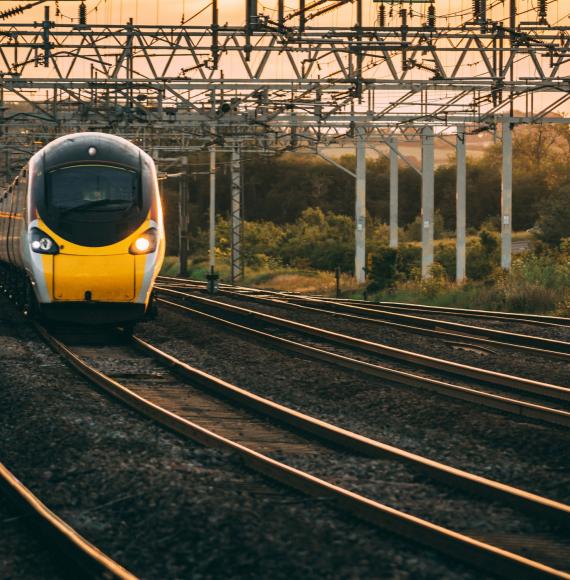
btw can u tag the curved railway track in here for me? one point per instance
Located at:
(373, 313)
(537, 319)
(73, 551)
(533, 319)
(213, 412)
(552, 405)
(512, 339)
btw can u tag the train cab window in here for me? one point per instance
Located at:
(92, 188)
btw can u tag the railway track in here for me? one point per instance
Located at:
(541, 400)
(216, 413)
(72, 551)
(511, 339)
(533, 319)
(374, 313)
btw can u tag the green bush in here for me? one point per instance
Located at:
(383, 269)
(323, 241)
(483, 257)
(409, 260)
(413, 231)
(446, 257)
(554, 219)
(435, 282)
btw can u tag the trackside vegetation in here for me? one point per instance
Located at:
(303, 256)
(299, 228)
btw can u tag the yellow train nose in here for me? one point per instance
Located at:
(96, 278)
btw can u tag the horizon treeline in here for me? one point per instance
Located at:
(279, 188)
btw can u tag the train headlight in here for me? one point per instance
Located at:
(142, 244)
(145, 243)
(41, 243)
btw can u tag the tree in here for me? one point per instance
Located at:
(554, 219)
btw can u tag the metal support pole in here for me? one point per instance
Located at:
(281, 13)
(215, 35)
(236, 222)
(507, 197)
(427, 200)
(360, 207)
(393, 192)
(359, 52)
(513, 15)
(251, 12)
(212, 237)
(47, 46)
(183, 218)
(461, 204)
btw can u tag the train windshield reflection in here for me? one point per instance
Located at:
(92, 188)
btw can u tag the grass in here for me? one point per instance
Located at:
(284, 279)
(512, 292)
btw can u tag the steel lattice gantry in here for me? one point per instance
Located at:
(275, 86)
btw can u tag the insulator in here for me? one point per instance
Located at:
(82, 14)
(483, 11)
(431, 16)
(382, 15)
(404, 17)
(542, 11)
(476, 10)
(12, 12)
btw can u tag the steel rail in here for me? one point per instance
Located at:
(85, 557)
(497, 402)
(445, 335)
(459, 546)
(502, 336)
(492, 377)
(351, 441)
(536, 319)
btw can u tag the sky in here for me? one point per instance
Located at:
(233, 12)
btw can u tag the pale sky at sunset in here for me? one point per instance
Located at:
(233, 11)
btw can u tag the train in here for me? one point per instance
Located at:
(82, 232)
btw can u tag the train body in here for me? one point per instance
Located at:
(81, 230)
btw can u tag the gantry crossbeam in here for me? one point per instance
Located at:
(418, 74)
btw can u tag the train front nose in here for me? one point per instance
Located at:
(94, 278)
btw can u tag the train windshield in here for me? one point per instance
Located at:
(92, 188)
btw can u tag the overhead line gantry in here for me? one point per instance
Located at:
(283, 81)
